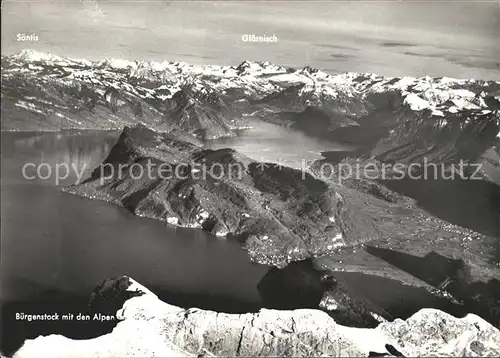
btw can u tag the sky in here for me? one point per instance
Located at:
(396, 38)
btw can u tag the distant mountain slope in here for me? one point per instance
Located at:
(45, 92)
(49, 86)
(391, 118)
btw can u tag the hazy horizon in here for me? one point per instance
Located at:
(456, 39)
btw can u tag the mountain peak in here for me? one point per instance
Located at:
(32, 55)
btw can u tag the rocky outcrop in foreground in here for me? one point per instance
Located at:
(150, 327)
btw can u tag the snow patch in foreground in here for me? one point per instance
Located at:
(154, 328)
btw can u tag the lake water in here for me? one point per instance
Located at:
(266, 142)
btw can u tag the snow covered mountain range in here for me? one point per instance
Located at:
(41, 91)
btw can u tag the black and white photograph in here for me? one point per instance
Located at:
(237, 178)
